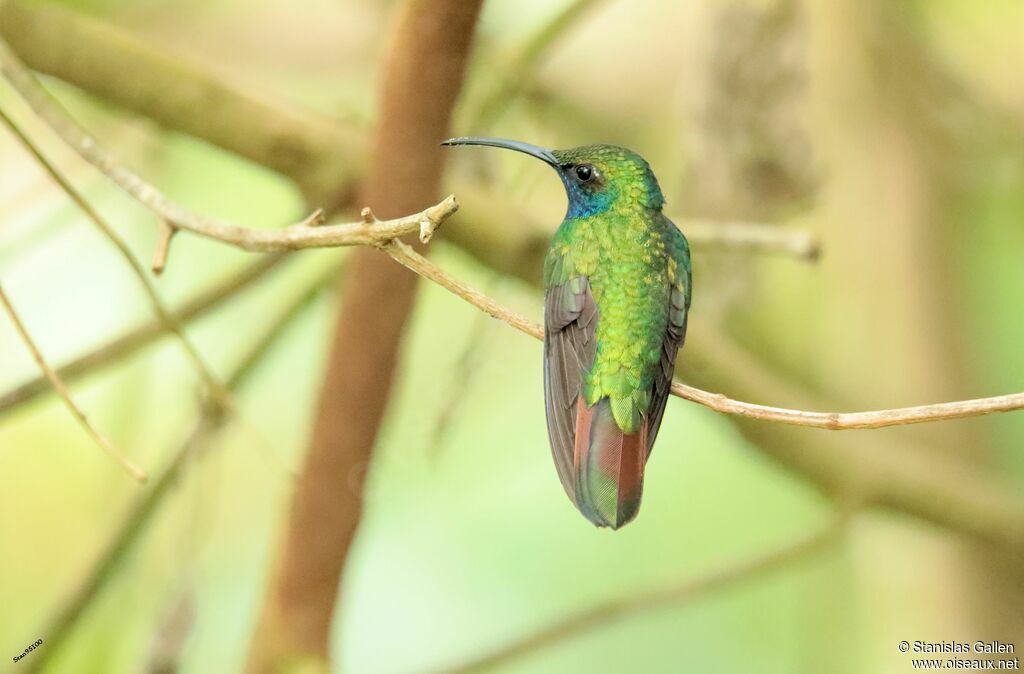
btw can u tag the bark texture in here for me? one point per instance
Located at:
(421, 81)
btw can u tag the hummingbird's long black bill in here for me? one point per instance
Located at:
(541, 153)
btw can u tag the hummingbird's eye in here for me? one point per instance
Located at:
(585, 173)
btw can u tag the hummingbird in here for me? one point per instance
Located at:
(616, 297)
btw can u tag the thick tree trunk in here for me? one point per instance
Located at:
(421, 82)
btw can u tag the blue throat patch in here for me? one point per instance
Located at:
(583, 204)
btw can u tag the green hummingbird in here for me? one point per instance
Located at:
(616, 296)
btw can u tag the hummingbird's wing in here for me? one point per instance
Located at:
(675, 331)
(570, 323)
(675, 334)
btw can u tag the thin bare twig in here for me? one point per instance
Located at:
(678, 592)
(487, 209)
(833, 421)
(305, 234)
(752, 236)
(48, 109)
(131, 528)
(165, 232)
(136, 338)
(843, 421)
(164, 315)
(62, 391)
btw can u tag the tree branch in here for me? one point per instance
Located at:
(322, 156)
(165, 232)
(753, 237)
(62, 391)
(136, 521)
(833, 421)
(23, 82)
(843, 421)
(213, 385)
(681, 591)
(125, 345)
(949, 493)
(420, 82)
(305, 234)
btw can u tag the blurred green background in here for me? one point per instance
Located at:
(891, 130)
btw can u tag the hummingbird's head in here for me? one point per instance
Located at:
(597, 178)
